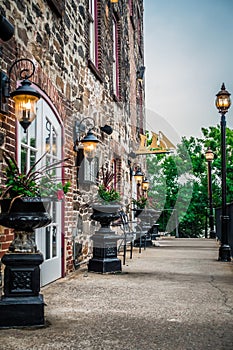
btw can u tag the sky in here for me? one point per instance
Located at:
(188, 55)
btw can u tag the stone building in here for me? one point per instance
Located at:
(89, 65)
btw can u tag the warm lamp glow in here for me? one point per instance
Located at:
(89, 150)
(209, 155)
(25, 98)
(89, 143)
(138, 176)
(223, 101)
(145, 184)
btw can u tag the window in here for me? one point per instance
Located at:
(28, 148)
(90, 170)
(140, 111)
(86, 170)
(115, 58)
(139, 32)
(93, 33)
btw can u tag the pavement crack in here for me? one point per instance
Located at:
(222, 293)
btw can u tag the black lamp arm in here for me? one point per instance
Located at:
(22, 75)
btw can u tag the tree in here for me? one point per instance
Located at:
(179, 181)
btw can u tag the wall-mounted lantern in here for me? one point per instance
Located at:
(25, 96)
(138, 175)
(88, 144)
(145, 184)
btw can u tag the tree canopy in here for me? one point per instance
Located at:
(179, 182)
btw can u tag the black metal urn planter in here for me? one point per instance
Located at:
(105, 258)
(22, 304)
(145, 216)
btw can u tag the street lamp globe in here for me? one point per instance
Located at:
(209, 155)
(223, 101)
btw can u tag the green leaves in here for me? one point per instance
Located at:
(180, 181)
(106, 190)
(108, 195)
(34, 183)
(140, 203)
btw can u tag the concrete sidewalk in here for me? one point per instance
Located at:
(176, 296)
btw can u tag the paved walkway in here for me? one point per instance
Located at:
(173, 297)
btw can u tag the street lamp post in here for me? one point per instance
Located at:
(223, 103)
(209, 156)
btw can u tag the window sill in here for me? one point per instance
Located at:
(115, 98)
(94, 70)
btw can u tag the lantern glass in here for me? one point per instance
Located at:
(223, 102)
(25, 108)
(89, 149)
(145, 185)
(138, 176)
(209, 155)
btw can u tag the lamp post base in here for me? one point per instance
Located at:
(224, 253)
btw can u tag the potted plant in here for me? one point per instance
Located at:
(105, 188)
(23, 209)
(139, 205)
(107, 206)
(105, 211)
(24, 198)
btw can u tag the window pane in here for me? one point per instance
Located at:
(32, 134)
(54, 143)
(47, 243)
(23, 135)
(32, 158)
(54, 211)
(48, 136)
(54, 248)
(23, 158)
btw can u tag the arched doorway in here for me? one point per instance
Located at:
(45, 135)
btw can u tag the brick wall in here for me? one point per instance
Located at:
(56, 39)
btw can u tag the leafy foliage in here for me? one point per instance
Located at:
(34, 183)
(179, 181)
(106, 190)
(140, 203)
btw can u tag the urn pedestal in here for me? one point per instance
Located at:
(105, 258)
(22, 305)
(145, 240)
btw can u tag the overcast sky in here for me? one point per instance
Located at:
(188, 54)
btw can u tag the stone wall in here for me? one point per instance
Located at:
(54, 34)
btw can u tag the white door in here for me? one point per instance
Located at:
(44, 134)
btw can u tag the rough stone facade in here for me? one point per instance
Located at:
(56, 36)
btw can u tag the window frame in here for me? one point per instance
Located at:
(115, 56)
